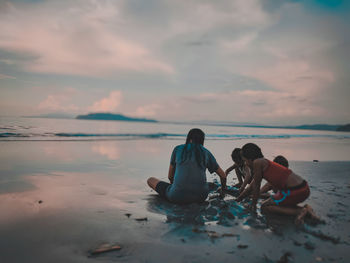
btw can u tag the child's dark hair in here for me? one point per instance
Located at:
(236, 154)
(281, 160)
(196, 136)
(251, 151)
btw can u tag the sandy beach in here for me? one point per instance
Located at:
(62, 200)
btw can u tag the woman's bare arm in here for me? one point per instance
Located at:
(257, 173)
(247, 191)
(247, 179)
(266, 187)
(171, 173)
(222, 176)
(228, 170)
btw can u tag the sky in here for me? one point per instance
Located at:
(256, 61)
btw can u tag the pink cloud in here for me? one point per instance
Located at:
(294, 75)
(240, 44)
(59, 102)
(150, 110)
(109, 104)
(272, 106)
(77, 41)
(2, 76)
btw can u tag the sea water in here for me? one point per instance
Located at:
(295, 144)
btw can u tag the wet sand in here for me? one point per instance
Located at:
(60, 201)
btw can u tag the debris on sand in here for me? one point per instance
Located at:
(104, 248)
(341, 204)
(214, 196)
(309, 245)
(128, 215)
(285, 257)
(229, 235)
(218, 203)
(213, 234)
(196, 230)
(227, 214)
(141, 219)
(211, 211)
(240, 246)
(267, 259)
(322, 236)
(298, 244)
(40, 201)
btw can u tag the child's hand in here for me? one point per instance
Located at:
(239, 198)
(221, 191)
(252, 208)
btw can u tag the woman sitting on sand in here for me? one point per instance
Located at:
(292, 189)
(188, 163)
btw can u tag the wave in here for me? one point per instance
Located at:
(12, 134)
(131, 136)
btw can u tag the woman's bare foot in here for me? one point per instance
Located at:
(299, 220)
(307, 211)
(312, 214)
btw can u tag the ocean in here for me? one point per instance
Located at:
(296, 144)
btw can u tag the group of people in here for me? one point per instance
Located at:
(188, 183)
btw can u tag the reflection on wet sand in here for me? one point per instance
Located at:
(111, 151)
(59, 192)
(116, 150)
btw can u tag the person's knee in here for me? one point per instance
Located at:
(152, 181)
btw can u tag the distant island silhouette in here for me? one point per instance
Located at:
(120, 117)
(111, 117)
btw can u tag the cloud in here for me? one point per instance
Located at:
(204, 98)
(107, 38)
(59, 102)
(239, 60)
(296, 76)
(206, 15)
(2, 76)
(150, 110)
(259, 106)
(240, 44)
(109, 104)
(82, 39)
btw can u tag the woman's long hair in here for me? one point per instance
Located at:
(195, 136)
(194, 145)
